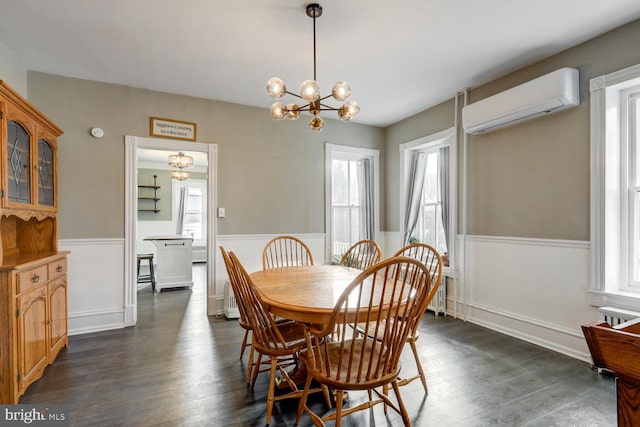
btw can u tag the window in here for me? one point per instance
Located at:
(429, 228)
(190, 207)
(428, 191)
(615, 189)
(633, 113)
(353, 194)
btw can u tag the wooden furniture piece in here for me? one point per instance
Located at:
(285, 251)
(175, 261)
(274, 340)
(431, 259)
(306, 293)
(617, 349)
(337, 357)
(243, 321)
(362, 255)
(146, 278)
(253, 368)
(33, 273)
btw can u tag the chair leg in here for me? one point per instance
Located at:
(303, 399)
(244, 342)
(385, 391)
(403, 409)
(250, 365)
(423, 378)
(153, 276)
(272, 386)
(339, 399)
(256, 370)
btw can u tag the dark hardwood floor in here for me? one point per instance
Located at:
(178, 367)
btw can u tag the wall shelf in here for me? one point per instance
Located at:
(153, 198)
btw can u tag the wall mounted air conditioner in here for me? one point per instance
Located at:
(547, 94)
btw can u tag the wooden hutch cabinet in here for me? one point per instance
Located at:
(33, 273)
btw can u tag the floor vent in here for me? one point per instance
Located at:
(230, 303)
(615, 316)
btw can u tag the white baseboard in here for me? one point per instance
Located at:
(552, 337)
(532, 289)
(95, 321)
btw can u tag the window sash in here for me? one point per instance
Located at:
(334, 152)
(630, 103)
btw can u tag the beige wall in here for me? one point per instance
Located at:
(270, 174)
(12, 72)
(428, 122)
(531, 179)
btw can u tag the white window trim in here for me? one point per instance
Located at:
(351, 153)
(605, 91)
(443, 138)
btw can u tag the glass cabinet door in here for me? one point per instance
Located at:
(19, 155)
(45, 173)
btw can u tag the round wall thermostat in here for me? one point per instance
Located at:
(97, 132)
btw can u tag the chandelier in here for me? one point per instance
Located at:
(310, 91)
(180, 161)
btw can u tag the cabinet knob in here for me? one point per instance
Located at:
(59, 268)
(35, 278)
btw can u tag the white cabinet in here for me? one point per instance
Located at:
(174, 263)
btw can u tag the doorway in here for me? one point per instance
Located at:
(135, 149)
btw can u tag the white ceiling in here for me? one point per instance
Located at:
(400, 57)
(158, 159)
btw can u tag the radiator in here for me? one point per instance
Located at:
(199, 253)
(230, 303)
(439, 302)
(615, 316)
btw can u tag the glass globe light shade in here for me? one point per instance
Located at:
(180, 160)
(341, 90)
(316, 124)
(292, 111)
(181, 175)
(277, 110)
(310, 90)
(276, 87)
(348, 111)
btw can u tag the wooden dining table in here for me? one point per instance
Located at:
(306, 294)
(303, 293)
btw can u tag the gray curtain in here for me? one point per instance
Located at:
(414, 194)
(182, 208)
(365, 197)
(443, 172)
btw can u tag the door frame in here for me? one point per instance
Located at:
(132, 144)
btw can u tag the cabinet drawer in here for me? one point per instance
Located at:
(57, 268)
(35, 276)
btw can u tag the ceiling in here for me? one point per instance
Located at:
(400, 57)
(158, 159)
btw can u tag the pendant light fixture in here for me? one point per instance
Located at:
(310, 91)
(180, 161)
(181, 175)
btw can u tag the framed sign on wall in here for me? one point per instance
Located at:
(175, 129)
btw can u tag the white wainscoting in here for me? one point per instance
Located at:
(532, 289)
(95, 288)
(248, 248)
